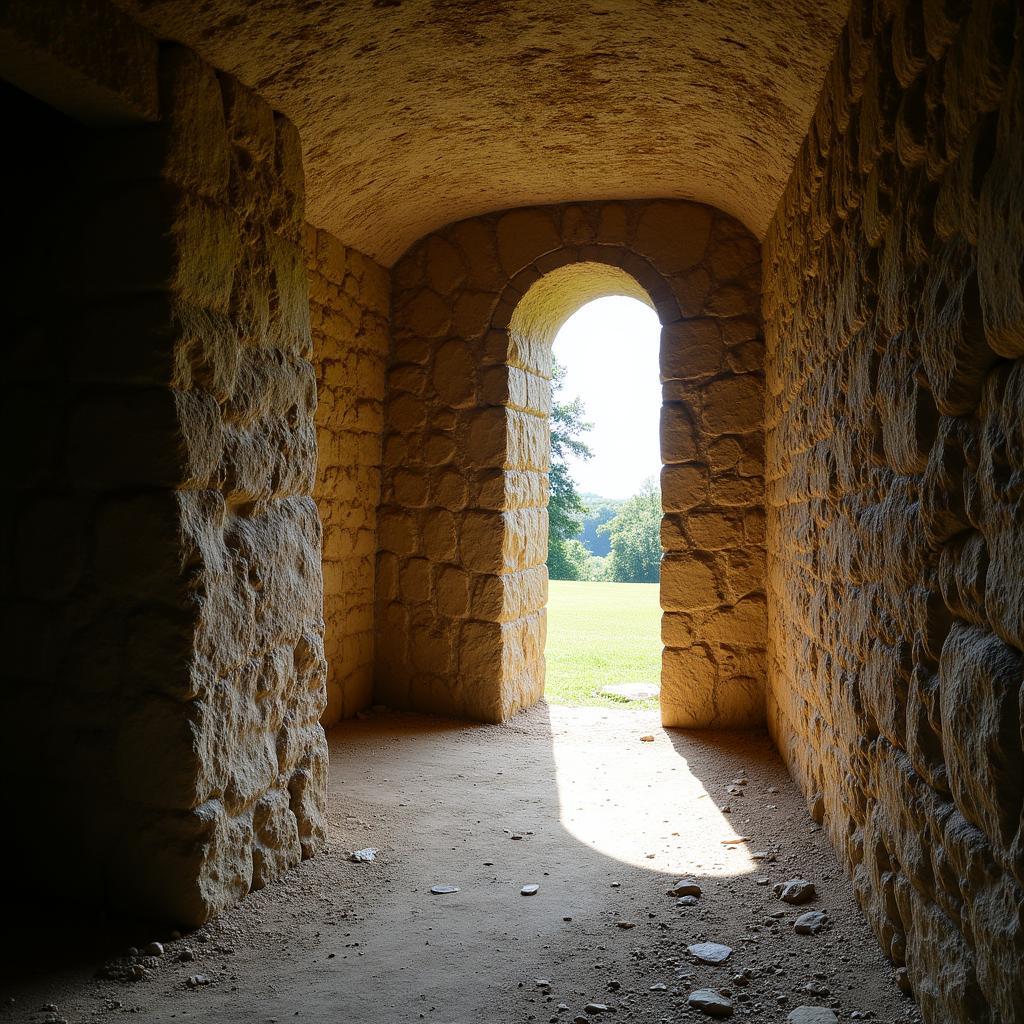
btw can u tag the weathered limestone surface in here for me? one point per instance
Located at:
(164, 588)
(349, 297)
(461, 581)
(894, 322)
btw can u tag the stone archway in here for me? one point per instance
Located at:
(461, 582)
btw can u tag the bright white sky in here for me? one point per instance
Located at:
(609, 349)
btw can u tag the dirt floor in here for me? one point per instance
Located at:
(569, 799)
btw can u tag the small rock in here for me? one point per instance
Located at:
(197, 980)
(903, 981)
(734, 790)
(632, 691)
(542, 982)
(443, 890)
(686, 901)
(710, 952)
(796, 890)
(815, 988)
(625, 924)
(187, 954)
(363, 856)
(761, 881)
(659, 986)
(685, 887)
(154, 949)
(595, 1008)
(647, 739)
(812, 1015)
(810, 923)
(529, 890)
(710, 1002)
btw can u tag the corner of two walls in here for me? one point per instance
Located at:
(349, 297)
(894, 321)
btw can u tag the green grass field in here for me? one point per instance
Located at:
(601, 633)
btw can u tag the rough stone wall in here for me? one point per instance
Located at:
(170, 670)
(894, 319)
(461, 582)
(349, 296)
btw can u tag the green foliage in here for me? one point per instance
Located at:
(635, 534)
(599, 511)
(565, 506)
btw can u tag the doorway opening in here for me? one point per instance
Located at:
(604, 508)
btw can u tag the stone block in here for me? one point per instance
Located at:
(979, 680)
(690, 582)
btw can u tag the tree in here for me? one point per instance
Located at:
(635, 535)
(565, 506)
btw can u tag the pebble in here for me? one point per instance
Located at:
(646, 739)
(187, 954)
(812, 1015)
(710, 1002)
(685, 887)
(198, 979)
(796, 890)
(443, 890)
(710, 952)
(625, 924)
(529, 890)
(596, 1008)
(810, 923)
(659, 986)
(363, 856)
(154, 949)
(686, 901)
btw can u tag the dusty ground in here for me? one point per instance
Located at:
(606, 822)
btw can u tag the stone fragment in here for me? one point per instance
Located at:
(710, 952)
(365, 856)
(685, 887)
(529, 890)
(710, 1002)
(796, 891)
(810, 923)
(154, 949)
(812, 1015)
(443, 890)
(632, 691)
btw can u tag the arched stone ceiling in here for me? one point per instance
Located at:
(416, 113)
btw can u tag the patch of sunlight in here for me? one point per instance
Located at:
(649, 802)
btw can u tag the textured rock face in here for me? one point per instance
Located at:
(178, 670)
(418, 113)
(349, 296)
(895, 331)
(461, 581)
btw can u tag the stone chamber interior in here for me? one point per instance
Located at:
(280, 283)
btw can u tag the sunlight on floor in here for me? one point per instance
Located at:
(650, 804)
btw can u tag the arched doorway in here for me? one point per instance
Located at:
(461, 582)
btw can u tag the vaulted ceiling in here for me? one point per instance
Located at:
(416, 113)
